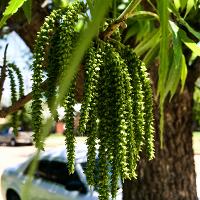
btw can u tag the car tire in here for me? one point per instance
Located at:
(12, 142)
(12, 195)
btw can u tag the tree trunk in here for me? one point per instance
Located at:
(171, 175)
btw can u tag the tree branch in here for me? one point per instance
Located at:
(3, 72)
(17, 106)
(25, 99)
(20, 103)
(120, 20)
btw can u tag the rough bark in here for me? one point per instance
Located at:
(171, 175)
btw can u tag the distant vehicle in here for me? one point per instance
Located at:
(7, 136)
(51, 179)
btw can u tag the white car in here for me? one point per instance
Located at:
(7, 136)
(51, 179)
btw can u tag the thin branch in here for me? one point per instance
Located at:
(3, 72)
(120, 21)
(20, 103)
(25, 99)
(17, 106)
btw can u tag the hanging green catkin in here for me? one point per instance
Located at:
(21, 87)
(69, 128)
(119, 162)
(91, 78)
(104, 131)
(19, 77)
(68, 38)
(68, 34)
(53, 70)
(13, 100)
(147, 101)
(148, 110)
(92, 67)
(132, 153)
(38, 58)
(137, 96)
(112, 124)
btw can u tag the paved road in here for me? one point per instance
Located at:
(13, 155)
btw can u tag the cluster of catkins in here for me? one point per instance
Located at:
(13, 71)
(116, 112)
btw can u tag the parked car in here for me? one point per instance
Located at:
(7, 136)
(51, 180)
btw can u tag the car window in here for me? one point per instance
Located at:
(57, 172)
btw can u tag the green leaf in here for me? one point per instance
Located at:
(190, 5)
(173, 10)
(183, 3)
(132, 30)
(177, 4)
(177, 48)
(152, 53)
(149, 41)
(183, 72)
(27, 7)
(189, 43)
(163, 69)
(12, 8)
(173, 79)
(189, 28)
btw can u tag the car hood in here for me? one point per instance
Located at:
(15, 169)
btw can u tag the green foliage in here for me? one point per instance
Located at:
(11, 9)
(38, 56)
(118, 99)
(89, 108)
(117, 103)
(69, 130)
(165, 42)
(27, 7)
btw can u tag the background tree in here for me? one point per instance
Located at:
(151, 33)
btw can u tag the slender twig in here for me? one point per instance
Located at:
(25, 99)
(120, 20)
(16, 106)
(3, 72)
(19, 103)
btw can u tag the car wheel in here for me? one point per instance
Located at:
(12, 195)
(12, 142)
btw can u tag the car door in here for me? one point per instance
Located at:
(5, 135)
(41, 187)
